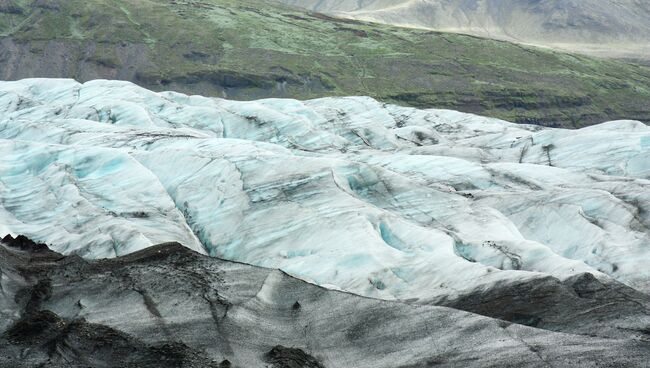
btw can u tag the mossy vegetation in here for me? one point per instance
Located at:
(247, 49)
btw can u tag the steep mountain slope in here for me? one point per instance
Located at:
(169, 307)
(619, 28)
(246, 49)
(376, 199)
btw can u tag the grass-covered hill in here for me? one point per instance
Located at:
(245, 49)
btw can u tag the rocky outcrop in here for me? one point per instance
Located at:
(167, 306)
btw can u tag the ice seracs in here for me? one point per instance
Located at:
(377, 199)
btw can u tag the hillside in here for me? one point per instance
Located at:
(248, 49)
(613, 28)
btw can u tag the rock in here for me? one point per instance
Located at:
(282, 357)
(117, 328)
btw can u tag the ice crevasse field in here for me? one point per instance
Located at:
(349, 193)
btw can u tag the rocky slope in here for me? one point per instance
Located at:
(431, 206)
(248, 49)
(612, 28)
(167, 306)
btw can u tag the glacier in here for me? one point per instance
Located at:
(345, 192)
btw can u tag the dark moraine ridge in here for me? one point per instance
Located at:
(169, 307)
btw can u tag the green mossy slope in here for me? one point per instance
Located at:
(246, 49)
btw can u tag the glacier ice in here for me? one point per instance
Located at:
(350, 193)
